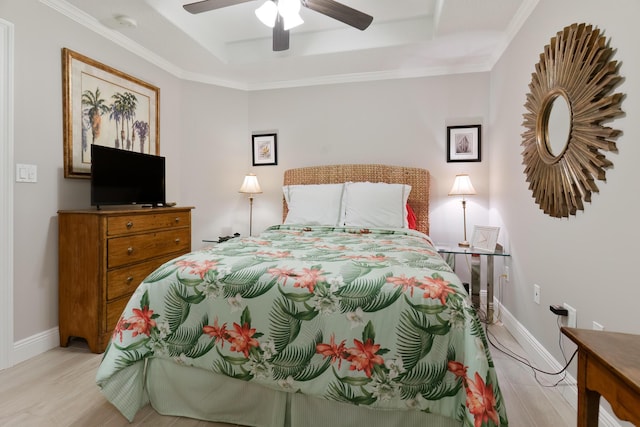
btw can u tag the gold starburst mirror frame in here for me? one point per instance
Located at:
(569, 99)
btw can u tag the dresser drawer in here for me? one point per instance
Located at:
(130, 249)
(124, 280)
(136, 223)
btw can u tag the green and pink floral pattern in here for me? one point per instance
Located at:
(366, 317)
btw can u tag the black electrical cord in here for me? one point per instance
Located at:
(521, 359)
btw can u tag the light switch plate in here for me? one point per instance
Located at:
(26, 173)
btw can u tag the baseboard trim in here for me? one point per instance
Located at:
(542, 357)
(34, 345)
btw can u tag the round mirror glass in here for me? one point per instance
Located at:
(558, 126)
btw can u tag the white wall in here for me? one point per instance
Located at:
(588, 260)
(214, 149)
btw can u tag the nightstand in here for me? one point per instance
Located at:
(449, 254)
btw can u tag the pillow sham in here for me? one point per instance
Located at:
(376, 204)
(314, 204)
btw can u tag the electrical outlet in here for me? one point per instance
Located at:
(536, 294)
(506, 273)
(597, 326)
(572, 317)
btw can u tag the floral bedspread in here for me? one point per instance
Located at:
(368, 317)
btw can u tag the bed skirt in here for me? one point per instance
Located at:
(204, 395)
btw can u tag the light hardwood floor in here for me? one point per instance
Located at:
(57, 388)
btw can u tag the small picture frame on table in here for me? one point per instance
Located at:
(265, 149)
(463, 143)
(484, 238)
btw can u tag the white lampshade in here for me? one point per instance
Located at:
(267, 13)
(462, 186)
(250, 185)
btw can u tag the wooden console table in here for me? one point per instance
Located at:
(608, 366)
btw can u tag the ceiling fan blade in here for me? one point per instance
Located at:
(341, 12)
(280, 36)
(207, 5)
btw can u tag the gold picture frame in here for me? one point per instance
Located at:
(104, 106)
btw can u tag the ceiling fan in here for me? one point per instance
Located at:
(330, 8)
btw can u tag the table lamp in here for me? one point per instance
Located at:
(250, 186)
(462, 187)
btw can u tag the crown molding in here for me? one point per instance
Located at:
(368, 77)
(117, 38)
(89, 22)
(521, 16)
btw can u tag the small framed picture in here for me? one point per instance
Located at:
(463, 143)
(484, 238)
(265, 149)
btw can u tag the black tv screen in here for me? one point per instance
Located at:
(122, 177)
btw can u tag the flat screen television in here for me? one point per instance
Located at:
(122, 177)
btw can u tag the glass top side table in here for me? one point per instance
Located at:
(449, 253)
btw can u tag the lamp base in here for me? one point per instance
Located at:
(464, 244)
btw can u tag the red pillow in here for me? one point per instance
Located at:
(411, 218)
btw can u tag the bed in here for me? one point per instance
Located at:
(343, 315)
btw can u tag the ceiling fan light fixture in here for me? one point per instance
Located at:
(288, 7)
(282, 15)
(292, 21)
(267, 13)
(290, 12)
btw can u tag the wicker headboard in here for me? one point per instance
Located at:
(417, 178)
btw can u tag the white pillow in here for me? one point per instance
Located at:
(376, 205)
(314, 204)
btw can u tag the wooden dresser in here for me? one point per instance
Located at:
(103, 255)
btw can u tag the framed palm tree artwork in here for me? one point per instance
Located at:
(107, 107)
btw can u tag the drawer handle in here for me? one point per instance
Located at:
(130, 279)
(129, 250)
(129, 224)
(177, 240)
(177, 219)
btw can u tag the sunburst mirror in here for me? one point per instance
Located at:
(570, 97)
